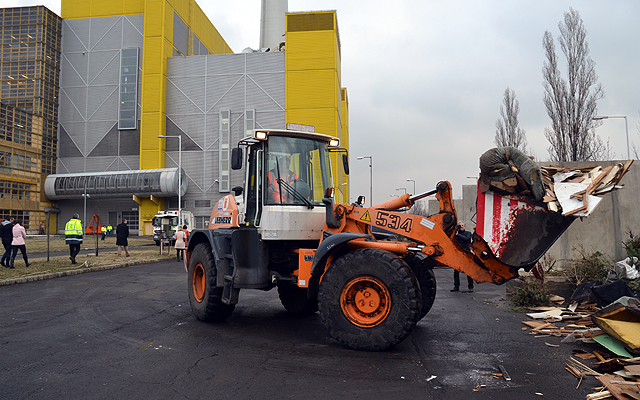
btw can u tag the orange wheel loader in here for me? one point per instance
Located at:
(282, 230)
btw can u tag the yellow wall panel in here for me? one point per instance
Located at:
(151, 92)
(310, 89)
(74, 9)
(154, 18)
(133, 7)
(311, 50)
(181, 7)
(106, 8)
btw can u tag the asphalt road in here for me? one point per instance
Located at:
(129, 333)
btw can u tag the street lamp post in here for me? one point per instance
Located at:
(402, 188)
(370, 178)
(626, 127)
(414, 185)
(179, 174)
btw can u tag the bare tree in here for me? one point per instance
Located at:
(508, 133)
(571, 102)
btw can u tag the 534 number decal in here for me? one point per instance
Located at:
(391, 221)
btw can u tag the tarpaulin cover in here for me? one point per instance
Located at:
(621, 320)
(496, 163)
(607, 294)
(583, 291)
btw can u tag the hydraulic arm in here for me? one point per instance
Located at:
(432, 235)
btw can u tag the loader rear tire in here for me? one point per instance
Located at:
(205, 297)
(294, 299)
(369, 299)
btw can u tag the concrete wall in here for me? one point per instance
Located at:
(604, 230)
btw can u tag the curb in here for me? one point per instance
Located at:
(52, 275)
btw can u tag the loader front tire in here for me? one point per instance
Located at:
(204, 296)
(369, 299)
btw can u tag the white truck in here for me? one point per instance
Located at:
(165, 225)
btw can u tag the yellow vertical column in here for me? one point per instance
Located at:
(157, 47)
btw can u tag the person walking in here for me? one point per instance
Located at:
(122, 233)
(19, 235)
(73, 236)
(6, 233)
(464, 239)
(103, 229)
(182, 238)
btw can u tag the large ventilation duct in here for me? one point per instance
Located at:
(272, 23)
(142, 183)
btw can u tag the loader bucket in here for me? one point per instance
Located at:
(518, 229)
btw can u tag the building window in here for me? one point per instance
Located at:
(5, 162)
(249, 122)
(225, 138)
(128, 105)
(132, 221)
(203, 203)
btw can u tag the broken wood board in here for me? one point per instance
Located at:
(619, 388)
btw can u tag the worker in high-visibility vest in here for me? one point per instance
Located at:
(73, 236)
(283, 173)
(104, 231)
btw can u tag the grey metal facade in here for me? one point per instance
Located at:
(199, 88)
(89, 139)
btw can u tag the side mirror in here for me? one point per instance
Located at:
(345, 163)
(237, 190)
(236, 158)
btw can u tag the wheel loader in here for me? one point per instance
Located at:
(282, 230)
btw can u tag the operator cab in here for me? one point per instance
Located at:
(287, 176)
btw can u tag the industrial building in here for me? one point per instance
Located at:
(131, 71)
(29, 67)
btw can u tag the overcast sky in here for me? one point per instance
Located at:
(426, 79)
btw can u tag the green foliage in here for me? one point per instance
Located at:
(589, 267)
(532, 294)
(632, 245)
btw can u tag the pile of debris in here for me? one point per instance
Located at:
(615, 327)
(576, 191)
(571, 191)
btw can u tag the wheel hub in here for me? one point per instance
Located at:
(198, 283)
(365, 301)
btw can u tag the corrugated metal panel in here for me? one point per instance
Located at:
(106, 33)
(180, 34)
(311, 89)
(74, 67)
(108, 145)
(132, 31)
(105, 63)
(72, 104)
(75, 34)
(265, 62)
(130, 162)
(76, 131)
(102, 103)
(96, 130)
(66, 147)
(271, 120)
(100, 163)
(311, 50)
(130, 143)
(310, 22)
(70, 165)
(225, 64)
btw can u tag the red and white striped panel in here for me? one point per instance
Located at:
(496, 216)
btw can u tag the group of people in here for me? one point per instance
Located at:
(13, 236)
(73, 237)
(106, 231)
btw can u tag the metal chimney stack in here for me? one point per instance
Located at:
(272, 23)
